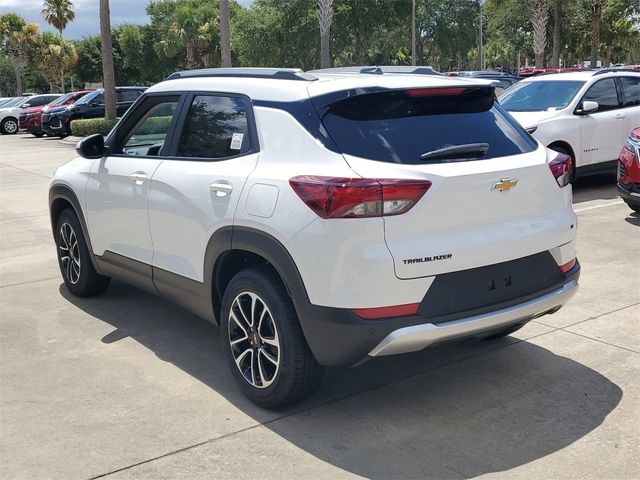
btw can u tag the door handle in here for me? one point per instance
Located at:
(620, 115)
(139, 177)
(220, 188)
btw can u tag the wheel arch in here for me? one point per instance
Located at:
(565, 146)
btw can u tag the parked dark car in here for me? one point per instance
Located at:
(31, 118)
(57, 120)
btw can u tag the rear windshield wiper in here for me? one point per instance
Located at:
(457, 152)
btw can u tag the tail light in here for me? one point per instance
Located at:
(386, 312)
(562, 168)
(331, 197)
(564, 268)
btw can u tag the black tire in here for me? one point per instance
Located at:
(505, 332)
(78, 273)
(37, 134)
(297, 374)
(635, 206)
(9, 126)
(574, 170)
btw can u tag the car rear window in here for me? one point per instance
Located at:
(402, 126)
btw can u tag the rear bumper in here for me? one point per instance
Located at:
(337, 337)
(417, 337)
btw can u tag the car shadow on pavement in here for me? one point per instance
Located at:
(633, 219)
(448, 412)
(595, 187)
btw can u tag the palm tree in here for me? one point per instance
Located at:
(539, 19)
(108, 75)
(55, 55)
(557, 32)
(18, 36)
(58, 13)
(225, 42)
(325, 17)
(596, 14)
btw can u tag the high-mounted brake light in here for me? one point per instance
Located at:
(564, 268)
(386, 312)
(331, 197)
(427, 92)
(562, 168)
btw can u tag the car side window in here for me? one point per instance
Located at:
(216, 126)
(128, 95)
(631, 91)
(149, 133)
(604, 92)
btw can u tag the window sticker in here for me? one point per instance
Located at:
(236, 141)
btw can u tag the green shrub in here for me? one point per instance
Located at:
(83, 128)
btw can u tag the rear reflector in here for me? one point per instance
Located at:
(386, 312)
(567, 266)
(426, 92)
(562, 168)
(331, 197)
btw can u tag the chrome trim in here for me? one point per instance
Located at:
(417, 337)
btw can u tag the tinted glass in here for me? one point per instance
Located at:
(539, 96)
(97, 95)
(604, 92)
(397, 127)
(128, 95)
(148, 135)
(215, 127)
(61, 100)
(631, 89)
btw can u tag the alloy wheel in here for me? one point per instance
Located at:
(69, 253)
(254, 341)
(10, 126)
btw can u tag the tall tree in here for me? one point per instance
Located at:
(54, 56)
(58, 13)
(596, 15)
(325, 17)
(225, 36)
(108, 75)
(17, 36)
(557, 33)
(539, 19)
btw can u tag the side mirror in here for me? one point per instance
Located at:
(588, 107)
(91, 147)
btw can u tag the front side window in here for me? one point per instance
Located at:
(604, 92)
(540, 95)
(216, 126)
(128, 95)
(148, 136)
(631, 90)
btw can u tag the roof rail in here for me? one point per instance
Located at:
(615, 69)
(271, 73)
(380, 69)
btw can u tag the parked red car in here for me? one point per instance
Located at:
(31, 118)
(629, 171)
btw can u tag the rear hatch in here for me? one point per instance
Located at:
(493, 197)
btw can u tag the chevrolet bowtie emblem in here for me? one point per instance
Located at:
(505, 184)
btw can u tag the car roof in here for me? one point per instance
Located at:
(584, 76)
(269, 88)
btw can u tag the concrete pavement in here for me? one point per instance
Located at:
(127, 385)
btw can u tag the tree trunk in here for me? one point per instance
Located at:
(17, 67)
(62, 81)
(225, 34)
(108, 74)
(325, 17)
(557, 34)
(539, 18)
(596, 13)
(191, 55)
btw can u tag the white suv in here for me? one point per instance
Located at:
(585, 115)
(321, 219)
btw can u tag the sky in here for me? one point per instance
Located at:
(86, 21)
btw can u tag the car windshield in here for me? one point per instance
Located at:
(61, 99)
(88, 97)
(14, 101)
(540, 96)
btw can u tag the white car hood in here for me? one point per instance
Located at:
(531, 119)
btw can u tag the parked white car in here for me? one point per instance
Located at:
(9, 115)
(586, 115)
(321, 219)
